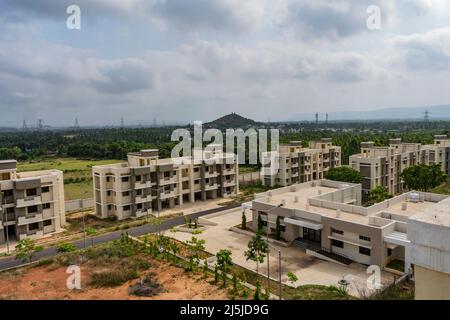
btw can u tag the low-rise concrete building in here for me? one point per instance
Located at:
(429, 233)
(325, 218)
(147, 184)
(296, 164)
(32, 203)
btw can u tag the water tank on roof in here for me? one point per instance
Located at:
(414, 197)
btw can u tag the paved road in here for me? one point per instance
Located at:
(11, 262)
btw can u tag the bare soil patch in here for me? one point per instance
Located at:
(49, 283)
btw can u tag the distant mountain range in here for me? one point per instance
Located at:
(413, 113)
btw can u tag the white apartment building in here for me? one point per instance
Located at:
(147, 184)
(297, 164)
(383, 166)
(32, 203)
(325, 219)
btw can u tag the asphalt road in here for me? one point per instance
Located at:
(11, 262)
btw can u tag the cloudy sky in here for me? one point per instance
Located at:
(184, 60)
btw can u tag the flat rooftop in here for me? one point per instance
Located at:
(412, 208)
(326, 199)
(35, 174)
(437, 214)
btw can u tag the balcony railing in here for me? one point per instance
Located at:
(28, 201)
(29, 219)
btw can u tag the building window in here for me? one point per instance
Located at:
(32, 209)
(109, 207)
(108, 179)
(126, 208)
(337, 231)
(108, 193)
(364, 238)
(125, 193)
(31, 192)
(139, 192)
(47, 223)
(389, 252)
(45, 189)
(46, 206)
(196, 182)
(337, 243)
(195, 169)
(139, 206)
(125, 179)
(364, 251)
(7, 193)
(10, 210)
(33, 226)
(138, 178)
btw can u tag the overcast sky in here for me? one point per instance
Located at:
(184, 60)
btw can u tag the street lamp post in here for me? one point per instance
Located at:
(158, 195)
(84, 222)
(268, 254)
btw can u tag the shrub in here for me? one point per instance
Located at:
(65, 247)
(148, 287)
(113, 278)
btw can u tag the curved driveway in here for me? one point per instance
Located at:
(11, 262)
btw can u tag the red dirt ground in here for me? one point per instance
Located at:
(46, 282)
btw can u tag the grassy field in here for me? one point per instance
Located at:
(77, 173)
(442, 189)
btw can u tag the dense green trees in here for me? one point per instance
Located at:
(115, 143)
(423, 177)
(345, 174)
(378, 194)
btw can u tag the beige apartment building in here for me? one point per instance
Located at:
(32, 203)
(297, 164)
(383, 166)
(325, 219)
(146, 184)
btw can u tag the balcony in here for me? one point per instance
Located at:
(211, 174)
(166, 181)
(143, 185)
(142, 199)
(167, 195)
(28, 201)
(30, 219)
(229, 183)
(211, 186)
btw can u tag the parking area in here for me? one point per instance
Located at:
(308, 269)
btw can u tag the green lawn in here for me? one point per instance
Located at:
(442, 189)
(248, 168)
(77, 173)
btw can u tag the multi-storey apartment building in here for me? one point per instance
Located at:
(326, 219)
(297, 164)
(147, 184)
(32, 203)
(383, 166)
